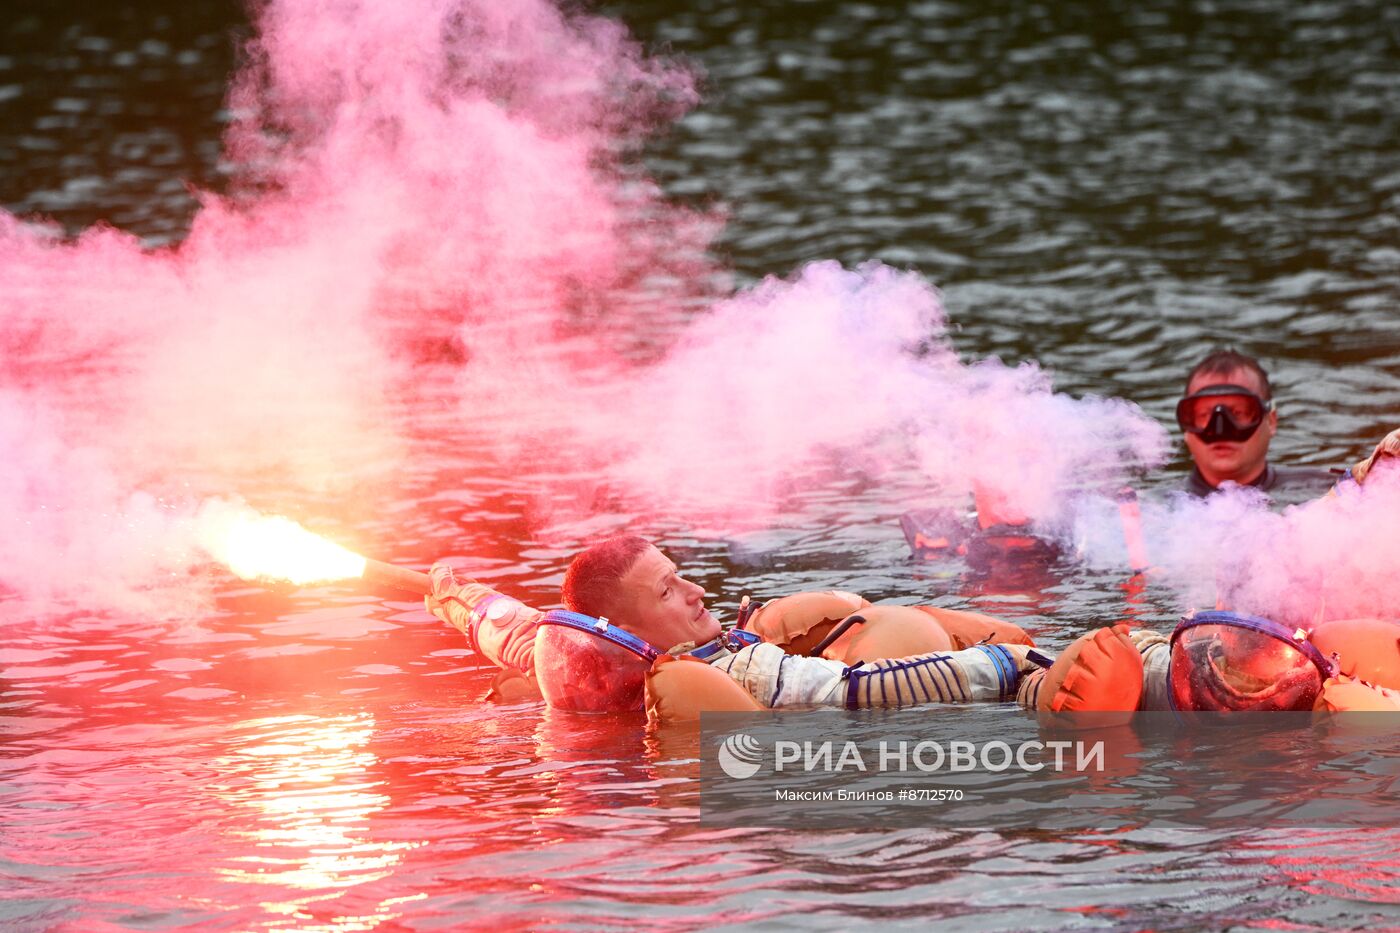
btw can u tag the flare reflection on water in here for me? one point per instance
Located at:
(306, 787)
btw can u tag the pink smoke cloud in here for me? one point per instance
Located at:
(853, 370)
(410, 177)
(1331, 558)
(456, 179)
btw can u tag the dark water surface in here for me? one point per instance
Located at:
(1108, 189)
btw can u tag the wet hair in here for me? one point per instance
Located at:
(1225, 362)
(590, 583)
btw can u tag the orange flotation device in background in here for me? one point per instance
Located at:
(1103, 670)
(1100, 671)
(973, 628)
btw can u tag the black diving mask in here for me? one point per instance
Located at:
(1222, 413)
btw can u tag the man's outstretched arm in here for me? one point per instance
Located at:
(498, 627)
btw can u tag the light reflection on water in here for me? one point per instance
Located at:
(1105, 192)
(307, 781)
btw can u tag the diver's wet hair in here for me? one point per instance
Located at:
(591, 581)
(1224, 362)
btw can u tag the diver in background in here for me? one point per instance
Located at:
(1218, 661)
(1228, 418)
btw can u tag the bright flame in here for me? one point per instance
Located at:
(264, 547)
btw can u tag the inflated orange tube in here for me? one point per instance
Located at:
(888, 632)
(1366, 649)
(973, 628)
(1100, 671)
(799, 622)
(1345, 695)
(680, 689)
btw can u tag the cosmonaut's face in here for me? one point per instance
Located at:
(656, 603)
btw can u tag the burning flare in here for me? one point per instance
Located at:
(270, 547)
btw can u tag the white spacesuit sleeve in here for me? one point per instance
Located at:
(1156, 655)
(777, 679)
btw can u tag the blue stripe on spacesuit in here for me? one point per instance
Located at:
(1006, 668)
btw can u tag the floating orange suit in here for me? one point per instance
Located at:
(1103, 670)
(799, 624)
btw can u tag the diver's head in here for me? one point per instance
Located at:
(1228, 417)
(631, 583)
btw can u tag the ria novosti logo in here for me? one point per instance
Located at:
(740, 756)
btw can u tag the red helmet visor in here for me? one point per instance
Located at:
(1229, 666)
(586, 673)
